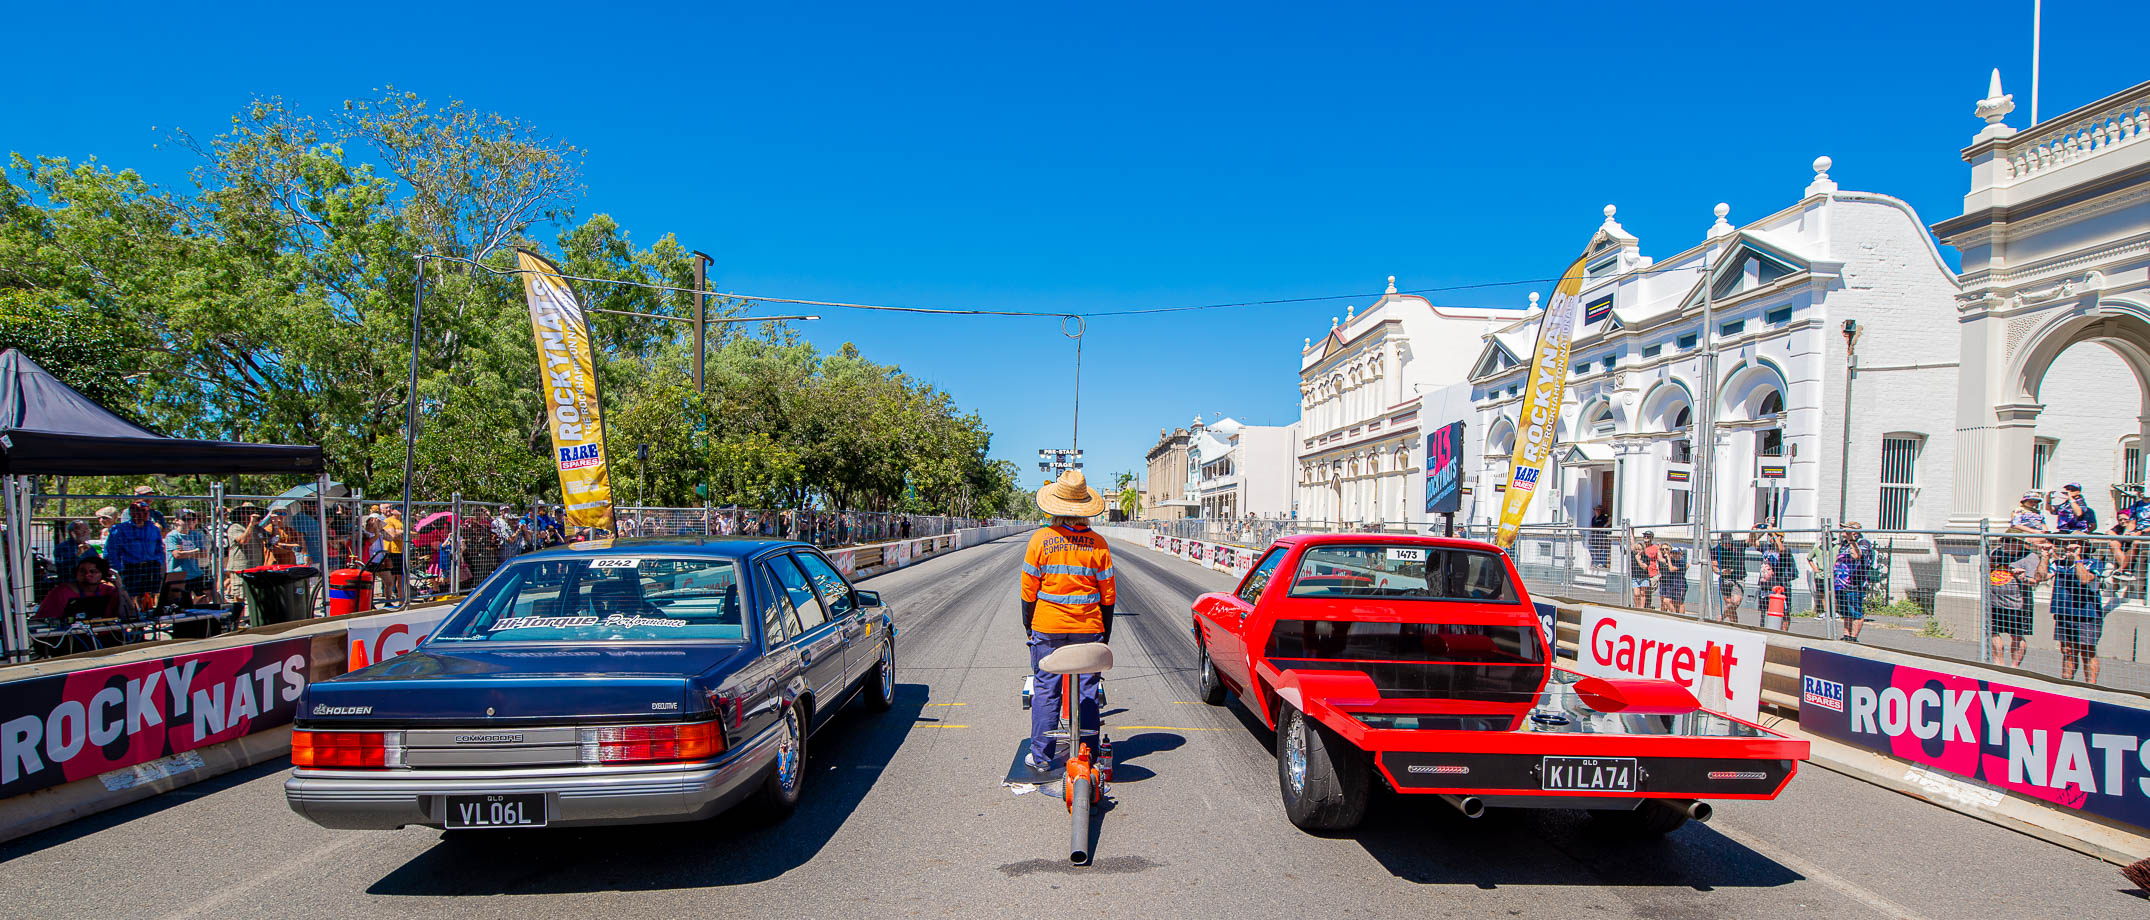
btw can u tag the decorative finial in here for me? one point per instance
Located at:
(1332, 322)
(1534, 300)
(1610, 211)
(1822, 183)
(1348, 311)
(1309, 344)
(1993, 108)
(1721, 227)
(1392, 285)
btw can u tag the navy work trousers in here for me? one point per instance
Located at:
(1045, 691)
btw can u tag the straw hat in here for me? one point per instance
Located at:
(1071, 496)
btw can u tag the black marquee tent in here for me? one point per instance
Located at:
(46, 428)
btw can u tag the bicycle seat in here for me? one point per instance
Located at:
(1087, 658)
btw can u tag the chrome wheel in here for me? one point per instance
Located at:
(787, 753)
(888, 672)
(1209, 671)
(1295, 753)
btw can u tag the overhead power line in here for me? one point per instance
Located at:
(1051, 314)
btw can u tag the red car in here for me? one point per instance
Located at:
(1422, 660)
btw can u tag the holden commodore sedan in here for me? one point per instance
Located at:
(610, 682)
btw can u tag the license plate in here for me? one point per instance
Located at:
(524, 810)
(1587, 774)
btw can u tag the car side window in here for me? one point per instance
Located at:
(800, 591)
(779, 620)
(834, 590)
(1258, 577)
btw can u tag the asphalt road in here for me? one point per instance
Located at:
(905, 816)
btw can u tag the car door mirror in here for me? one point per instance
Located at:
(867, 598)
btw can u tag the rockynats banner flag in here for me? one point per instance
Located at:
(567, 375)
(1541, 403)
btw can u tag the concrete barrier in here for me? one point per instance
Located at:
(330, 650)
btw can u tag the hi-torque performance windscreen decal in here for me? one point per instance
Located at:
(2067, 750)
(66, 727)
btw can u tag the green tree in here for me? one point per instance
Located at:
(1130, 497)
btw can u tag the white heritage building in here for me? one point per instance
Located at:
(1370, 392)
(1239, 471)
(2055, 307)
(1793, 297)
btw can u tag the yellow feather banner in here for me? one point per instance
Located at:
(567, 376)
(1539, 420)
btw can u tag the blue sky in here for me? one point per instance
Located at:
(1115, 157)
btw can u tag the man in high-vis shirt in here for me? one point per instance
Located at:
(1068, 596)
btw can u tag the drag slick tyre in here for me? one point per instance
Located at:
(1325, 781)
(779, 792)
(1212, 688)
(881, 681)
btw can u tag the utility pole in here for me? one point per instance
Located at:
(1702, 494)
(701, 321)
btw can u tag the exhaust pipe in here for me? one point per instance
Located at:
(1470, 805)
(1699, 812)
(1079, 838)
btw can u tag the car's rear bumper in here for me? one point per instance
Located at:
(574, 796)
(1522, 776)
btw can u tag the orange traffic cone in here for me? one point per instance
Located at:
(1774, 609)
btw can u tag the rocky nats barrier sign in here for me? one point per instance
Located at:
(65, 727)
(2077, 753)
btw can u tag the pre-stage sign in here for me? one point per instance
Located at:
(1619, 644)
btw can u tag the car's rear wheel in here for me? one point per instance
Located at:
(881, 684)
(787, 776)
(1212, 686)
(1325, 781)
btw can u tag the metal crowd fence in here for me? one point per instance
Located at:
(451, 546)
(1934, 592)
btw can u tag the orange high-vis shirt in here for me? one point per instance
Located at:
(1068, 571)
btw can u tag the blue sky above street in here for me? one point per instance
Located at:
(1114, 157)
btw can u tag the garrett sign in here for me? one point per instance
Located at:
(1639, 645)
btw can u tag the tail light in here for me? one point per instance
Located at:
(652, 743)
(346, 750)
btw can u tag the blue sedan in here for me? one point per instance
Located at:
(612, 682)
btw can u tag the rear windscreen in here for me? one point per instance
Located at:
(1427, 573)
(603, 599)
(1433, 642)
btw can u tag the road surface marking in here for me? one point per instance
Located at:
(211, 906)
(1166, 728)
(939, 725)
(1843, 886)
(947, 704)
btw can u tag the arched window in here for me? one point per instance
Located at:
(1769, 442)
(1683, 450)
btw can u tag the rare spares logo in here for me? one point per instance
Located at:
(1827, 694)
